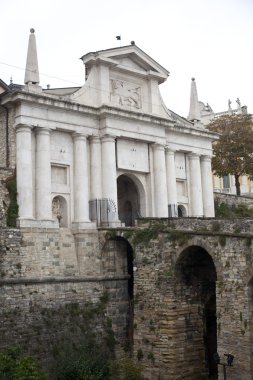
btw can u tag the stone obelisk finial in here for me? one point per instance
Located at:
(32, 68)
(194, 112)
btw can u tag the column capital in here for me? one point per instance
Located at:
(79, 136)
(158, 146)
(108, 138)
(94, 139)
(206, 158)
(193, 156)
(23, 128)
(169, 150)
(43, 130)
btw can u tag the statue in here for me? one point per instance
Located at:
(238, 103)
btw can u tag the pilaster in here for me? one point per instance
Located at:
(95, 168)
(81, 190)
(24, 172)
(160, 183)
(207, 186)
(171, 180)
(195, 185)
(43, 202)
(109, 174)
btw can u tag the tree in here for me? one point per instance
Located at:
(233, 152)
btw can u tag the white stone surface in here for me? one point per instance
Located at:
(24, 171)
(43, 202)
(171, 177)
(133, 155)
(195, 185)
(207, 186)
(81, 195)
(160, 183)
(118, 105)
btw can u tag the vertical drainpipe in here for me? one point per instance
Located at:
(7, 158)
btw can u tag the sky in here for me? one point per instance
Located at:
(210, 40)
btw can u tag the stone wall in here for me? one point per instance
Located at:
(7, 151)
(180, 273)
(186, 273)
(233, 200)
(48, 281)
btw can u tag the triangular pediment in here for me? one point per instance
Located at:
(129, 58)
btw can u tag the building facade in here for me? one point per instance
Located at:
(107, 152)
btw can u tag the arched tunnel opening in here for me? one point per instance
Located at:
(196, 287)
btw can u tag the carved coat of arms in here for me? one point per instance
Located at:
(125, 94)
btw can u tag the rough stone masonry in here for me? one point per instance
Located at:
(179, 290)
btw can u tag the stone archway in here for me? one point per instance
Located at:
(59, 210)
(196, 290)
(128, 200)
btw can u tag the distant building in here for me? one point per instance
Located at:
(201, 113)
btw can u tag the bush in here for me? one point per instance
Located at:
(126, 369)
(15, 366)
(88, 361)
(226, 211)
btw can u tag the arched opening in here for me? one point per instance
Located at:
(196, 287)
(117, 260)
(181, 211)
(59, 210)
(128, 200)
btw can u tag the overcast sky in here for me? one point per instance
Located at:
(210, 40)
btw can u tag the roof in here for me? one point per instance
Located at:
(113, 57)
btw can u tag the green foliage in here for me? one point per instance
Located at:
(140, 354)
(12, 211)
(126, 369)
(233, 153)
(88, 361)
(178, 236)
(15, 366)
(87, 351)
(226, 211)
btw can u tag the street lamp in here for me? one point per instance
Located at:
(229, 363)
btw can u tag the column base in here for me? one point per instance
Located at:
(34, 223)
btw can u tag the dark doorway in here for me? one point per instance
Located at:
(117, 260)
(128, 200)
(196, 286)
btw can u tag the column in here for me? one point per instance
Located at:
(43, 202)
(195, 185)
(160, 183)
(24, 171)
(109, 174)
(81, 195)
(207, 186)
(95, 168)
(171, 180)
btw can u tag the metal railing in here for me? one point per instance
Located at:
(102, 211)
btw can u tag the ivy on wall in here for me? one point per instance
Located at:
(12, 211)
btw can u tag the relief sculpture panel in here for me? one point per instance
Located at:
(125, 93)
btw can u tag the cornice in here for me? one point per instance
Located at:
(105, 111)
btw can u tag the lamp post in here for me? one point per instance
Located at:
(229, 362)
